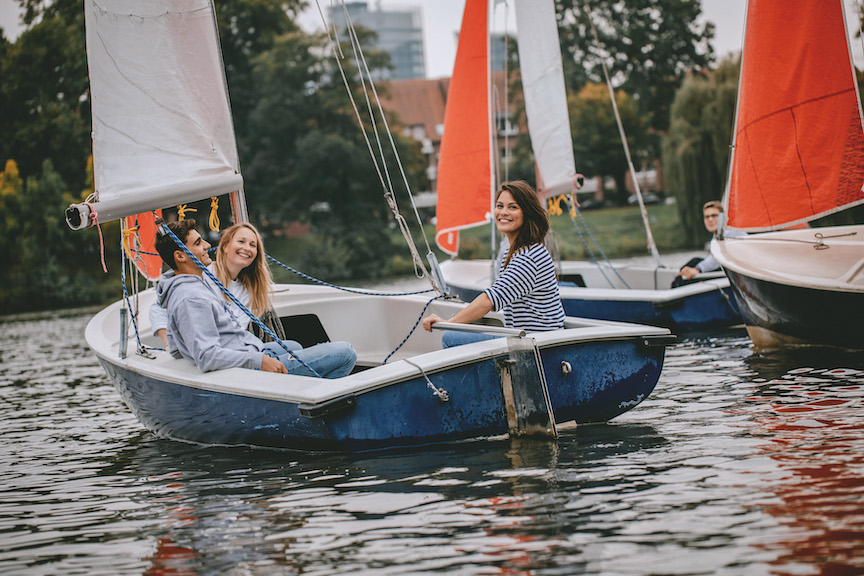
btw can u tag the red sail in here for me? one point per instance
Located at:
(799, 145)
(464, 169)
(140, 243)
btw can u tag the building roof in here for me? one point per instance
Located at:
(422, 102)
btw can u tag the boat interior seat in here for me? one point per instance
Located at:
(305, 329)
(574, 280)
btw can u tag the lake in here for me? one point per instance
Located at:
(738, 463)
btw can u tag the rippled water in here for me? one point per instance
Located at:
(739, 463)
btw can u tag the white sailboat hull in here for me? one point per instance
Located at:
(799, 286)
(639, 294)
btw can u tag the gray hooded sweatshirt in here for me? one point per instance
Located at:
(201, 328)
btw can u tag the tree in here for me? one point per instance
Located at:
(46, 265)
(696, 149)
(45, 93)
(248, 28)
(649, 47)
(311, 162)
(596, 140)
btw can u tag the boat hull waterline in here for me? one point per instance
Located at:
(790, 292)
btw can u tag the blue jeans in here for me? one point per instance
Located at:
(329, 359)
(452, 338)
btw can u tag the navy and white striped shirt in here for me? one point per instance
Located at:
(527, 291)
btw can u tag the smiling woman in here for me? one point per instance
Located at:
(527, 288)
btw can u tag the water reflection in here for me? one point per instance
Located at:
(810, 419)
(739, 463)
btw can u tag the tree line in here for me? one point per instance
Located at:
(299, 144)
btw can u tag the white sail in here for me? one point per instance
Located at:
(162, 129)
(545, 95)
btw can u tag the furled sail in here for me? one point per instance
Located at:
(465, 161)
(799, 144)
(162, 129)
(545, 95)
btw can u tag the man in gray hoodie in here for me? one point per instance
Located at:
(202, 329)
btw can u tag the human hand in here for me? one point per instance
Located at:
(689, 272)
(270, 364)
(430, 320)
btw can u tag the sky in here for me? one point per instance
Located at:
(441, 20)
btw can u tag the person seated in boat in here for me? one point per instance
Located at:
(202, 328)
(526, 289)
(688, 273)
(241, 266)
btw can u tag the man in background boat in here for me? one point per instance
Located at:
(202, 329)
(711, 212)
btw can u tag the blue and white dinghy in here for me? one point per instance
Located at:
(163, 136)
(593, 289)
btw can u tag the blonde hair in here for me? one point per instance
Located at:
(256, 277)
(713, 204)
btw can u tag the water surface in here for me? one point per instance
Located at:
(739, 463)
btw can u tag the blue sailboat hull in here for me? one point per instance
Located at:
(607, 379)
(699, 312)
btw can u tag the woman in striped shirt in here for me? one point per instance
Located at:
(526, 289)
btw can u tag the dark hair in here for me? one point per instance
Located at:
(535, 220)
(165, 244)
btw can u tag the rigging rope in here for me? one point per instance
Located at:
(95, 217)
(574, 213)
(385, 180)
(651, 245)
(182, 209)
(214, 214)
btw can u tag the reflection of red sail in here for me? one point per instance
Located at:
(169, 559)
(464, 165)
(819, 499)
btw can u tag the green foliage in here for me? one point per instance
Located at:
(248, 28)
(45, 95)
(596, 140)
(696, 149)
(311, 162)
(47, 265)
(649, 47)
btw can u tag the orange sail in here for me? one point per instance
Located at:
(464, 165)
(799, 144)
(140, 243)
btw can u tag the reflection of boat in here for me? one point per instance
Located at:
(466, 185)
(809, 424)
(798, 155)
(163, 135)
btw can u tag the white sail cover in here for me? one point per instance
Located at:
(545, 95)
(162, 129)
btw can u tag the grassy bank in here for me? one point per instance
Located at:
(618, 231)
